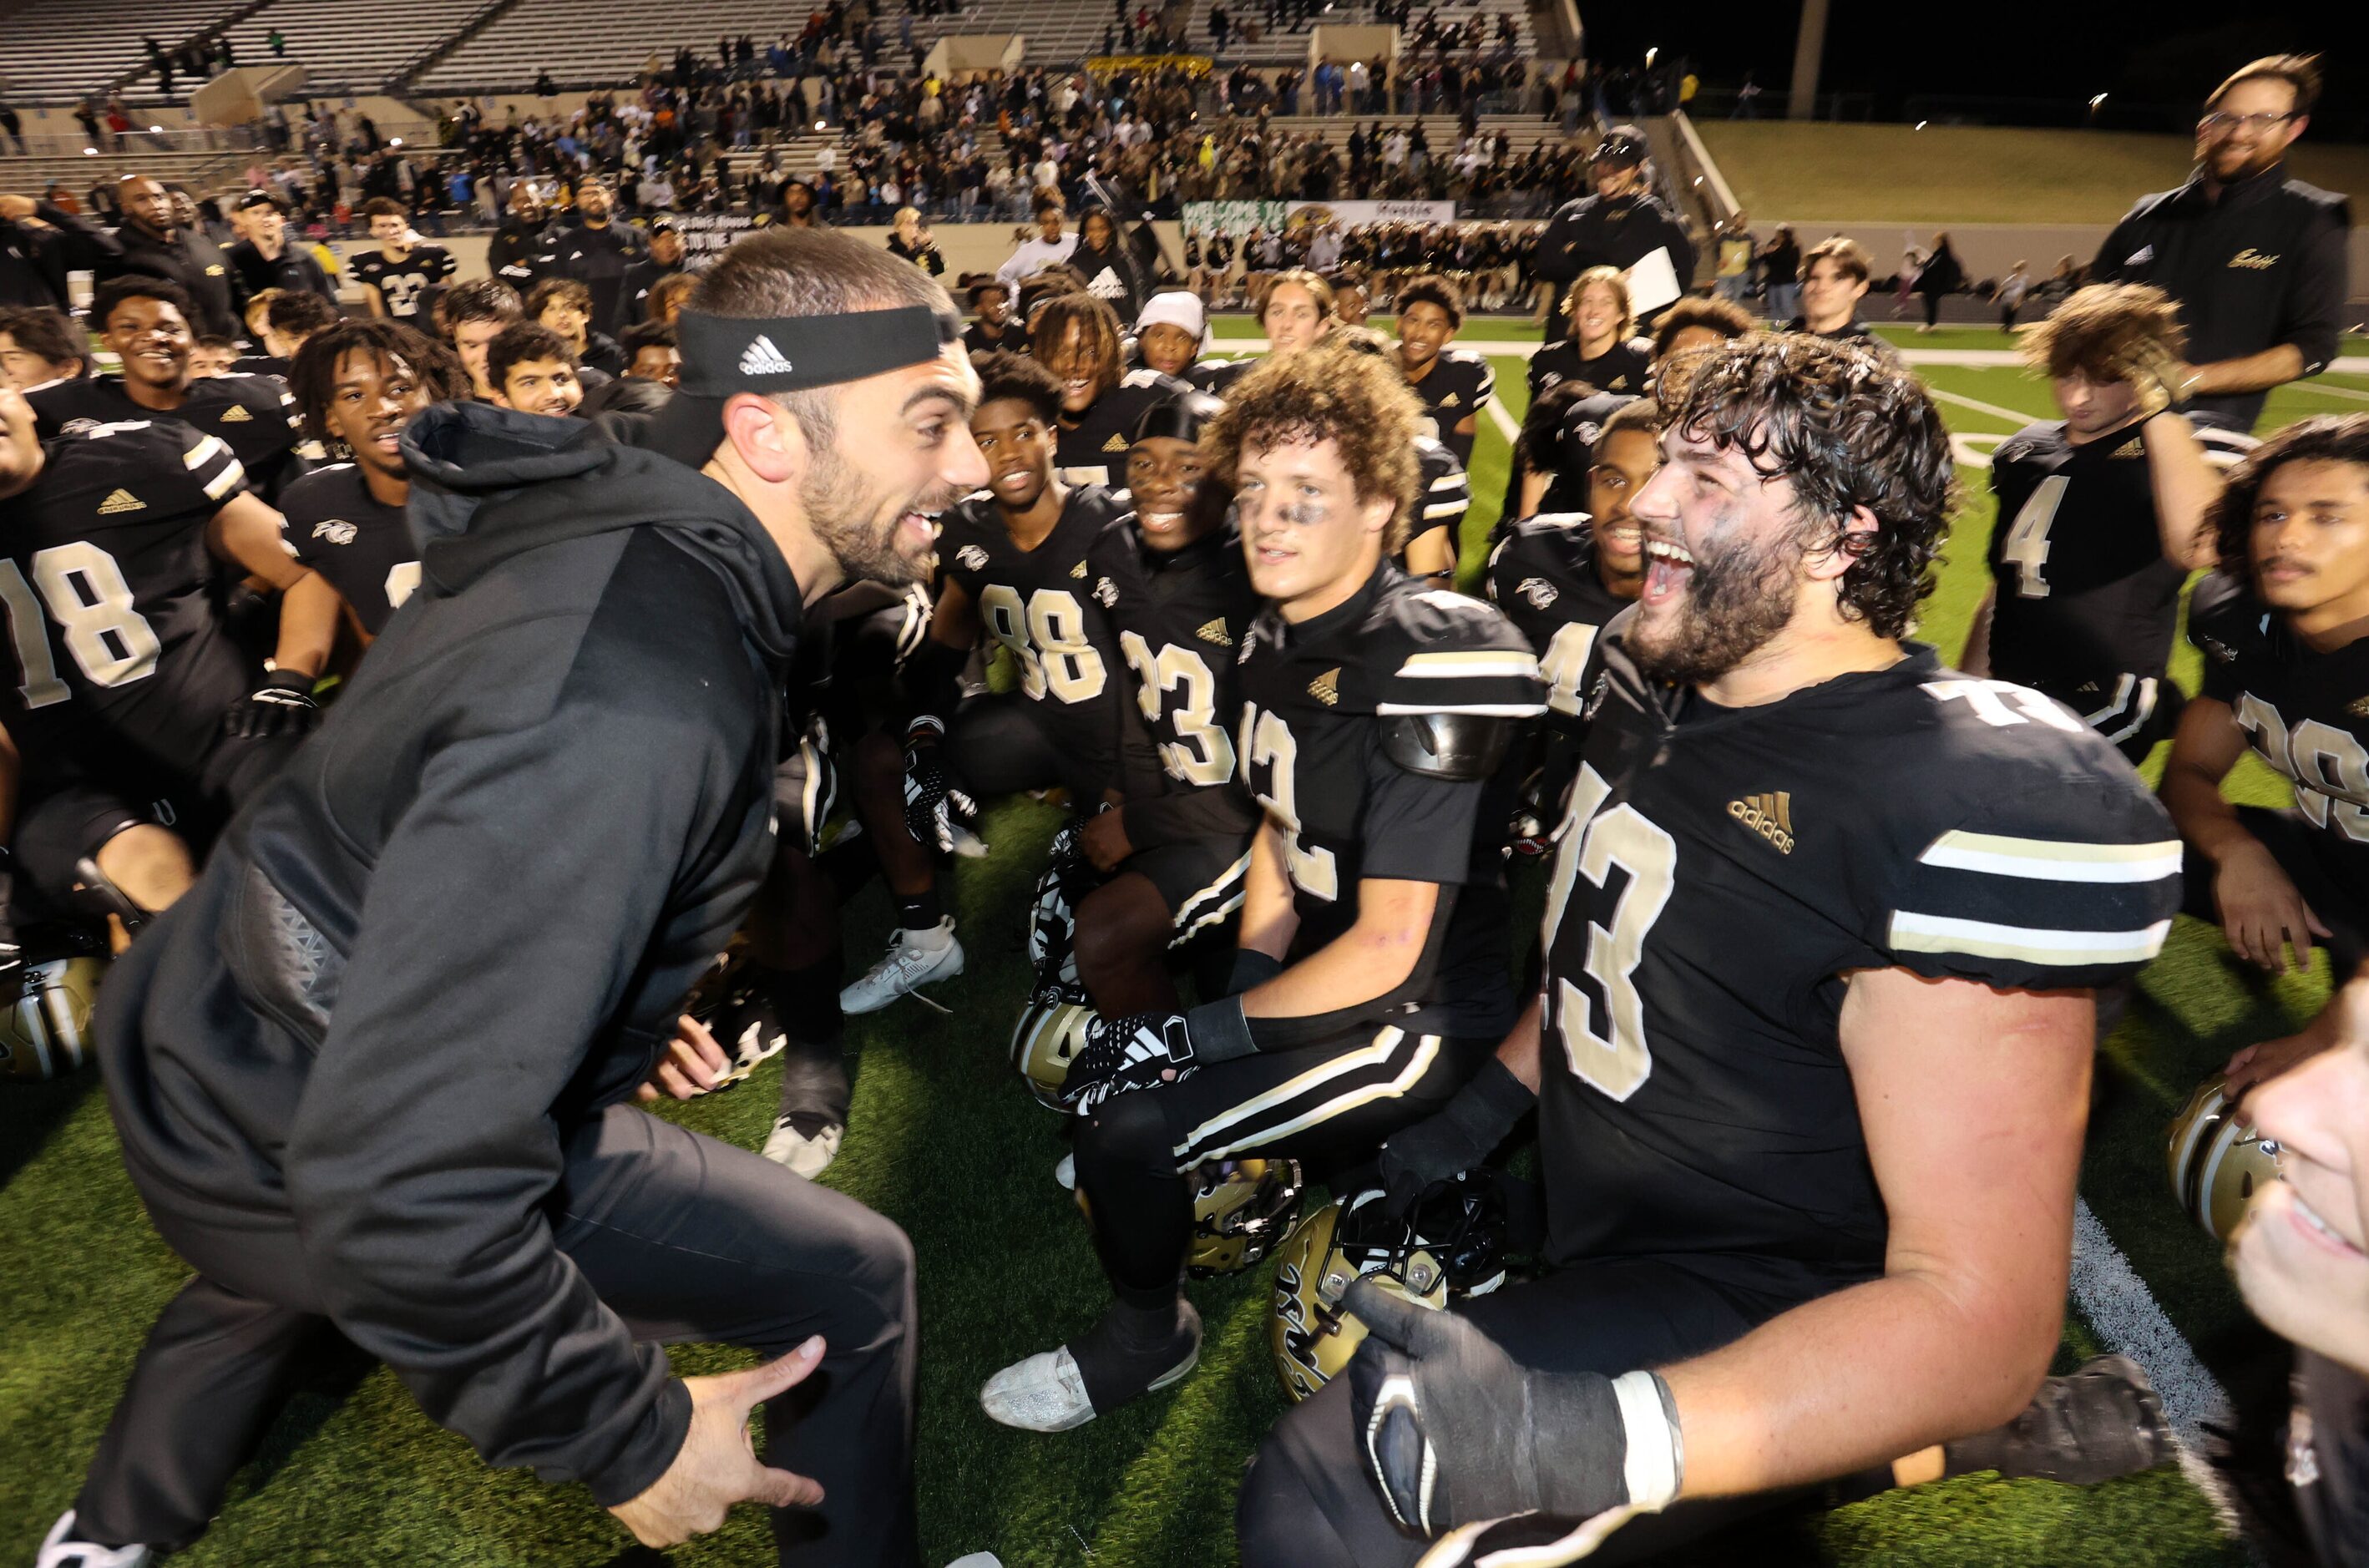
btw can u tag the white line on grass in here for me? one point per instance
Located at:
(1503, 421)
(1979, 407)
(2118, 1306)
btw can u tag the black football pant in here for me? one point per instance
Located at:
(685, 1238)
(1004, 743)
(1309, 1502)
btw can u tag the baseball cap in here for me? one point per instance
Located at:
(254, 198)
(1624, 145)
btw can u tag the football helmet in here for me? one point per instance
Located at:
(1051, 1031)
(1241, 1209)
(1452, 1246)
(2215, 1161)
(46, 1030)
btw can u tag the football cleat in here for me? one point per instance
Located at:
(59, 1550)
(902, 969)
(1241, 1209)
(1450, 1248)
(1065, 1173)
(808, 1156)
(49, 993)
(2215, 1161)
(1050, 1034)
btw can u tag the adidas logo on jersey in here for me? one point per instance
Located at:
(1770, 815)
(121, 502)
(1116, 443)
(2358, 707)
(1326, 688)
(1215, 632)
(2134, 447)
(235, 415)
(761, 358)
(1449, 401)
(1078, 571)
(971, 558)
(335, 532)
(1538, 592)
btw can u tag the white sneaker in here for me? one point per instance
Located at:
(977, 1560)
(967, 844)
(1066, 1173)
(1046, 1393)
(59, 1550)
(901, 969)
(809, 1157)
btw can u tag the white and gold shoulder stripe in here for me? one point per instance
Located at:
(2054, 860)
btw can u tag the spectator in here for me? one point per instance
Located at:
(1736, 255)
(40, 242)
(1780, 274)
(153, 242)
(1050, 247)
(264, 259)
(910, 237)
(1101, 258)
(1940, 276)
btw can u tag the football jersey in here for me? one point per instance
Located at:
(255, 415)
(2303, 711)
(1092, 451)
(360, 544)
(1310, 743)
(2085, 604)
(1719, 871)
(108, 585)
(1453, 390)
(1040, 605)
(1443, 495)
(403, 285)
(1179, 617)
(1542, 575)
(1621, 368)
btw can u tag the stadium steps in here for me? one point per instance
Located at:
(60, 51)
(400, 80)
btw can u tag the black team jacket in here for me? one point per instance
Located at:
(465, 920)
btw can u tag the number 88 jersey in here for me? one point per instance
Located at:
(1039, 605)
(1721, 871)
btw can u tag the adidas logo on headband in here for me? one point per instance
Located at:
(762, 358)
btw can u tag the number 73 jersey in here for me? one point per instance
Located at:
(1720, 873)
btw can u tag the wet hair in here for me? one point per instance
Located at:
(1020, 379)
(1847, 430)
(48, 334)
(522, 342)
(1049, 330)
(2325, 438)
(313, 375)
(300, 313)
(139, 286)
(2101, 332)
(1357, 401)
(1723, 316)
(481, 299)
(1432, 289)
(1849, 256)
(2300, 72)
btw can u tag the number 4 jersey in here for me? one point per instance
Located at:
(1721, 871)
(110, 589)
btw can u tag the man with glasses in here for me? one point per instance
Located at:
(2255, 260)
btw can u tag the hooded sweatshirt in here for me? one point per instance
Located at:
(464, 921)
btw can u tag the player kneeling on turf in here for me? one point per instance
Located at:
(1811, 1051)
(1372, 964)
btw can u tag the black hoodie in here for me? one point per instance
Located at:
(466, 918)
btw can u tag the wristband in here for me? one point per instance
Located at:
(1252, 969)
(1656, 1464)
(1219, 1031)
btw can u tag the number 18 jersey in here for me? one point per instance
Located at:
(1721, 871)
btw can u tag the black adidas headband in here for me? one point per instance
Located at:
(722, 355)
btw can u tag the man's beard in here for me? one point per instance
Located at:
(1738, 599)
(865, 551)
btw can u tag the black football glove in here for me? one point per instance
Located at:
(284, 704)
(932, 799)
(1454, 1431)
(1140, 1050)
(1454, 1138)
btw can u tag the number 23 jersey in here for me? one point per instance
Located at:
(1719, 874)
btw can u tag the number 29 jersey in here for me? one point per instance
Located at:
(1721, 871)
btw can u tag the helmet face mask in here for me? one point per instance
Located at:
(1241, 1209)
(46, 1030)
(2217, 1159)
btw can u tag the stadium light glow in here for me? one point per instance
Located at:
(156, 130)
(2096, 101)
(394, 141)
(1649, 56)
(90, 151)
(1921, 124)
(818, 125)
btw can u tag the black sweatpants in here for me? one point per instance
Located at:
(685, 1238)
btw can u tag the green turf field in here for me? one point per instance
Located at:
(945, 1141)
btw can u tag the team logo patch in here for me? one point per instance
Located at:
(971, 558)
(1116, 443)
(1450, 401)
(1106, 593)
(1549, 381)
(2358, 707)
(761, 358)
(2134, 447)
(335, 532)
(2220, 650)
(121, 502)
(235, 415)
(1214, 631)
(78, 427)
(1078, 571)
(1538, 592)
(1770, 815)
(2253, 260)
(2140, 257)
(1326, 688)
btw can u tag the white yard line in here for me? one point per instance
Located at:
(1978, 359)
(2015, 416)
(1503, 421)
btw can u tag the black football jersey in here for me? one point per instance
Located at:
(360, 544)
(2303, 711)
(1719, 871)
(1453, 391)
(1443, 495)
(1180, 617)
(108, 585)
(1040, 605)
(1542, 575)
(2085, 604)
(1093, 450)
(1621, 368)
(405, 285)
(1310, 743)
(1217, 377)
(255, 415)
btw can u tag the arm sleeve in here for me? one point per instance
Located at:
(2314, 303)
(492, 948)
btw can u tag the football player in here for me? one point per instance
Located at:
(145, 321)
(212, 355)
(1833, 280)
(1810, 1056)
(532, 370)
(1168, 335)
(1370, 967)
(1076, 337)
(1429, 547)
(399, 278)
(2285, 664)
(1454, 383)
(665, 260)
(991, 328)
(141, 721)
(2101, 519)
(359, 385)
(1012, 564)
(1602, 350)
(1295, 310)
(39, 346)
(474, 313)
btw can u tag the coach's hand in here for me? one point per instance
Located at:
(932, 799)
(693, 1064)
(284, 704)
(717, 1466)
(2262, 910)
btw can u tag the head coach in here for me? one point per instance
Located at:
(376, 1067)
(2255, 260)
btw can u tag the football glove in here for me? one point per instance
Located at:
(284, 704)
(2154, 375)
(932, 799)
(1140, 1050)
(1456, 1138)
(1454, 1431)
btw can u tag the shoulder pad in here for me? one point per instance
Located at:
(1461, 746)
(2221, 597)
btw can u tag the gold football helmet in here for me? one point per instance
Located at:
(1051, 1031)
(2215, 1161)
(46, 1032)
(1241, 1209)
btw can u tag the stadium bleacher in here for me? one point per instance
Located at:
(61, 51)
(336, 53)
